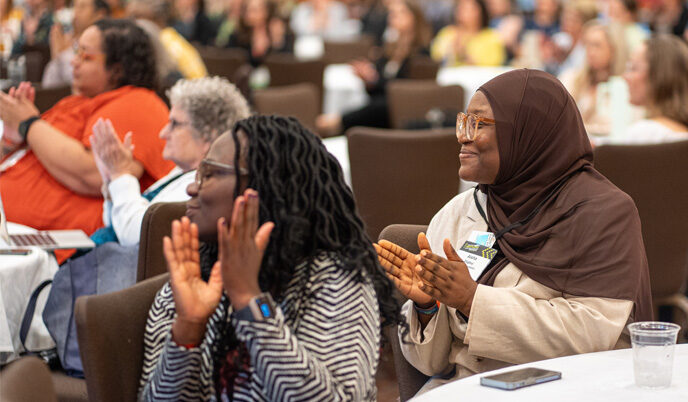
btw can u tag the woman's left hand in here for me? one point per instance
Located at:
(242, 245)
(14, 110)
(113, 157)
(447, 280)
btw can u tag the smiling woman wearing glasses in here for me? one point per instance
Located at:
(544, 258)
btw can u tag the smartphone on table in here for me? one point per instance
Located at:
(520, 378)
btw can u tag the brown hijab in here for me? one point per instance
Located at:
(581, 234)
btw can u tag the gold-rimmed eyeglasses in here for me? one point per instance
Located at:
(467, 124)
(81, 55)
(209, 168)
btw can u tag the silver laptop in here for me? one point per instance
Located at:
(47, 240)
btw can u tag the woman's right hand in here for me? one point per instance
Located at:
(195, 300)
(365, 70)
(400, 266)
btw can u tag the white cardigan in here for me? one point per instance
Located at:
(126, 206)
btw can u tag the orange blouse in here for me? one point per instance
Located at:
(32, 197)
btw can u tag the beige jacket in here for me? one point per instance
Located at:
(517, 320)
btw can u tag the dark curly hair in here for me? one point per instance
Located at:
(128, 53)
(302, 189)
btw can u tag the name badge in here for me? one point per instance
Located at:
(476, 257)
(486, 239)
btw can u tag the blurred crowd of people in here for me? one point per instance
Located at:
(596, 48)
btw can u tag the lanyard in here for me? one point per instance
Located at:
(530, 216)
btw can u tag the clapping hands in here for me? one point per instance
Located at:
(113, 158)
(427, 277)
(195, 300)
(15, 107)
(241, 246)
(400, 266)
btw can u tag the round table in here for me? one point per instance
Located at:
(19, 276)
(602, 376)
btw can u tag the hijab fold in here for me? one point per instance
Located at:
(585, 240)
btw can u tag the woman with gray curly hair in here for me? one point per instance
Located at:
(202, 109)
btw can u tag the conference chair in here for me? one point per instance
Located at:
(345, 52)
(423, 68)
(223, 62)
(298, 100)
(409, 379)
(156, 224)
(285, 69)
(36, 58)
(110, 329)
(402, 175)
(48, 97)
(27, 379)
(656, 177)
(410, 100)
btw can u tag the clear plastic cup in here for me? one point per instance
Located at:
(653, 352)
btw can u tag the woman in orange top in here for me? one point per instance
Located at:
(55, 184)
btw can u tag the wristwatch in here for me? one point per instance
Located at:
(259, 308)
(25, 125)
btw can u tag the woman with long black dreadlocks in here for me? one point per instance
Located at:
(282, 299)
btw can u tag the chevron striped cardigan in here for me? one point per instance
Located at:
(323, 347)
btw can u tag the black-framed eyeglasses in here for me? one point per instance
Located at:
(209, 168)
(467, 124)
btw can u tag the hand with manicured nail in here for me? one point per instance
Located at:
(242, 245)
(446, 279)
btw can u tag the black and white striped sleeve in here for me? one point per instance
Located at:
(171, 372)
(331, 356)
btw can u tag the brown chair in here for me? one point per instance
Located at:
(69, 389)
(48, 97)
(156, 224)
(400, 175)
(299, 100)
(287, 70)
(423, 68)
(410, 100)
(110, 330)
(37, 57)
(409, 379)
(656, 177)
(223, 62)
(27, 379)
(344, 52)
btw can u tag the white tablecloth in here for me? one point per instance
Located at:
(19, 276)
(339, 148)
(603, 376)
(344, 90)
(469, 77)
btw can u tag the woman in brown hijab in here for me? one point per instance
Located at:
(568, 270)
